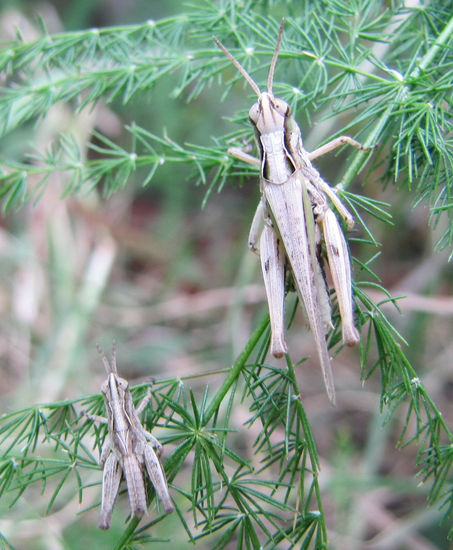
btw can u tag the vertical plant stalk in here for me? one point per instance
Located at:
(311, 445)
(236, 369)
(128, 533)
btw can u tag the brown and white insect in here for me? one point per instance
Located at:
(296, 213)
(128, 449)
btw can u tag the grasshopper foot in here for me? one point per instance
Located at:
(351, 335)
(278, 347)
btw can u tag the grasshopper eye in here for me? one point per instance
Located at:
(124, 384)
(254, 113)
(282, 107)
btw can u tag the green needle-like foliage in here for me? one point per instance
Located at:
(384, 73)
(401, 99)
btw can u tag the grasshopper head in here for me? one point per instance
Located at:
(115, 385)
(269, 113)
(114, 391)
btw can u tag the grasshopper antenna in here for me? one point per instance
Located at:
(270, 78)
(238, 66)
(108, 367)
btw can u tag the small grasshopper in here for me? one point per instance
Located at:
(295, 211)
(128, 448)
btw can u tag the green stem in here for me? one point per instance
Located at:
(311, 445)
(431, 53)
(128, 533)
(236, 368)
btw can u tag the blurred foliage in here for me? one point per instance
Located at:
(112, 138)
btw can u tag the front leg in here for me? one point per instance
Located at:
(243, 155)
(95, 417)
(334, 144)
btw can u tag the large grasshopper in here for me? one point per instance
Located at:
(295, 209)
(128, 449)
